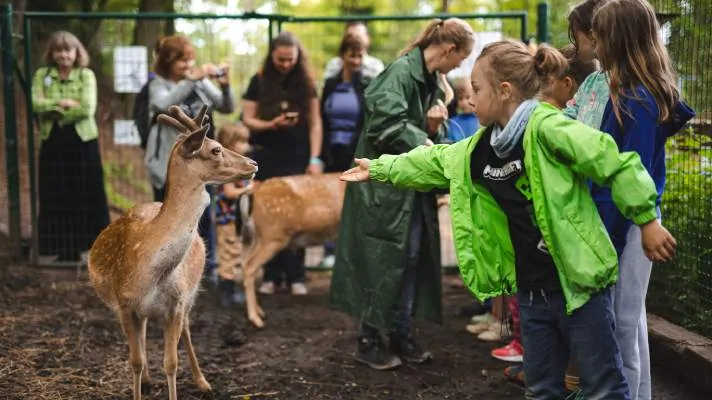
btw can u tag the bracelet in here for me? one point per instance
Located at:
(315, 160)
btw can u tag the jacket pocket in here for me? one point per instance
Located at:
(585, 235)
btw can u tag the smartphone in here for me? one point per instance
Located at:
(219, 72)
(291, 115)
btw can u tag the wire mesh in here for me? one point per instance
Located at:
(681, 291)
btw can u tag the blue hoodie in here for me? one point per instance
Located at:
(642, 134)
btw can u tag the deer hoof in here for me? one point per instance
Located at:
(203, 384)
(257, 321)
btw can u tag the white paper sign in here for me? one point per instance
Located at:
(130, 68)
(481, 40)
(125, 133)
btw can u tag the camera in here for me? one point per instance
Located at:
(219, 72)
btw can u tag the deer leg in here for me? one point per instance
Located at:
(260, 254)
(137, 358)
(145, 377)
(198, 376)
(171, 336)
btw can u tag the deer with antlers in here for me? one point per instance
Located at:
(296, 211)
(149, 262)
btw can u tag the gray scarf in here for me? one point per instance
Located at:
(504, 140)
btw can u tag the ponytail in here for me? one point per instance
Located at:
(451, 30)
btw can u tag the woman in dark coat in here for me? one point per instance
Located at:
(388, 257)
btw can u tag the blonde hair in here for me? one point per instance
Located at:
(632, 54)
(63, 40)
(230, 134)
(511, 61)
(451, 30)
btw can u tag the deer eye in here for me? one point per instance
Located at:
(216, 151)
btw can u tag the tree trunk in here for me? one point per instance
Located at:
(445, 6)
(147, 31)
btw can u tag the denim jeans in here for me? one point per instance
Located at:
(550, 336)
(404, 314)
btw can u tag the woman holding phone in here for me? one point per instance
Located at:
(281, 109)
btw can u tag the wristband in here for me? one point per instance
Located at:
(315, 160)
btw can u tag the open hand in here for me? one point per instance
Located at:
(658, 244)
(359, 173)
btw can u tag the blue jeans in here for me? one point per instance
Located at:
(549, 337)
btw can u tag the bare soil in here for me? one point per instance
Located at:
(58, 341)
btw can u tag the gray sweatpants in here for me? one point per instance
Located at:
(631, 321)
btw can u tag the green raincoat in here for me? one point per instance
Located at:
(372, 249)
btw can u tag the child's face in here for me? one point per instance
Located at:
(487, 103)
(242, 146)
(585, 46)
(464, 99)
(563, 90)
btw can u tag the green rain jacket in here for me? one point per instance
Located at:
(372, 248)
(559, 155)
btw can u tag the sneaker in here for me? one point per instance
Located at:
(372, 352)
(492, 334)
(486, 317)
(479, 327)
(299, 289)
(328, 261)
(513, 352)
(266, 288)
(409, 350)
(515, 374)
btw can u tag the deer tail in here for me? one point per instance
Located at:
(244, 223)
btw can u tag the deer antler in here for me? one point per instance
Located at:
(180, 121)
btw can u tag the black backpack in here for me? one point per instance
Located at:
(141, 112)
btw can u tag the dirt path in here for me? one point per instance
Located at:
(57, 341)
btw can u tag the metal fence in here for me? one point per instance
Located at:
(239, 40)
(681, 291)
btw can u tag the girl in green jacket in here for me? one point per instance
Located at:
(524, 221)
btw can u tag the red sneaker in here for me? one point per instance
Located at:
(513, 352)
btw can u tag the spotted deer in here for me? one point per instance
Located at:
(296, 211)
(148, 263)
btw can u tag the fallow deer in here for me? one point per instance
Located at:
(297, 211)
(149, 262)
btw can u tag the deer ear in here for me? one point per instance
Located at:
(194, 142)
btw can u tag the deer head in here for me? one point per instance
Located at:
(200, 156)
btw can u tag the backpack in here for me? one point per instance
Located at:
(141, 113)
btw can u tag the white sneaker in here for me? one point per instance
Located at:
(299, 289)
(486, 317)
(493, 334)
(266, 288)
(329, 261)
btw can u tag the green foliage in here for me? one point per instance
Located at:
(680, 290)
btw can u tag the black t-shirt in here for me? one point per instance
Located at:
(508, 182)
(294, 140)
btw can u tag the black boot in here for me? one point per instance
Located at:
(372, 352)
(405, 347)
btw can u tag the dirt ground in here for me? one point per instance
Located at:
(58, 341)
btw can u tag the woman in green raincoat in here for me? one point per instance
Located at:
(388, 257)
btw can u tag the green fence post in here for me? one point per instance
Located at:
(27, 39)
(11, 157)
(542, 22)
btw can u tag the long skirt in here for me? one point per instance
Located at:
(73, 207)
